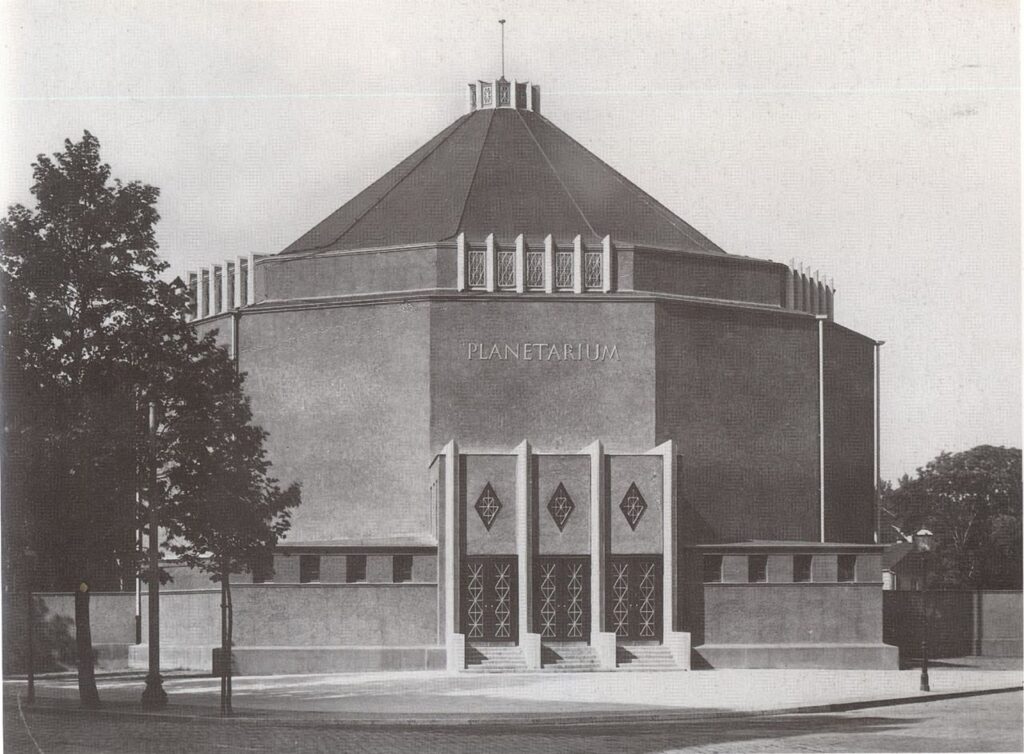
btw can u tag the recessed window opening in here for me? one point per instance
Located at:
(477, 276)
(593, 261)
(263, 569)
(309, 569)
(563, 270)
(401, 568)
(847, 567)
(757, 569)
(355, 568)
(801, 568)
(534, 269)
(506, 269)
(712, 569)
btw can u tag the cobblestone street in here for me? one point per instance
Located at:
(989, 723)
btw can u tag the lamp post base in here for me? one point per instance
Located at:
(154, 696)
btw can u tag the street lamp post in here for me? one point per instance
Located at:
(923, 545)
(30, 557)
(153, 696)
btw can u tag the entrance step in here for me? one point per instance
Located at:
(482, 658)
(644, 657)
(568, 658)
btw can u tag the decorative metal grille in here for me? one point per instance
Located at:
(504, 94)
(535, 269)
(502, 610)
(560, 506)
(476, 594)
(620, 594)
(647, 601)
(506, 269)
(488, 506)
(563, 269)
(477, 268)
(592, 269)
(548, 604)
(575, 609)
(633, 506)
(486, 94)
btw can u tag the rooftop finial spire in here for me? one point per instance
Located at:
(502, 22)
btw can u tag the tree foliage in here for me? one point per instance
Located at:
(971, 501)
(91, 338)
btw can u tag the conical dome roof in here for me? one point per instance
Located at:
(506, 171)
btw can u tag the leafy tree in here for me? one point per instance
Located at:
(225, 511)
(91, 338)
(79, 274)
(971, 501)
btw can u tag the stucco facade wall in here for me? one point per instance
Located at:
(738, 392)
(303, 615)
(560, 405)
(646, 473)
(344, 394)
(849, 435)
(349, 274)
(707, 276)
(790, 614)
(573, 472)
(500, 472)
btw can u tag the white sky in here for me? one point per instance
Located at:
(876, 141)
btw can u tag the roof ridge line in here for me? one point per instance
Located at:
(557, 176)
(364, 213)
(476, 169)
(649, 200)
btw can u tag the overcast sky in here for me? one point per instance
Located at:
(876, 141)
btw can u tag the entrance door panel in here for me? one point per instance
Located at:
(634, 597)
(490, 598)
(562, 598)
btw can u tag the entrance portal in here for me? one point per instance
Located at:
(490, 598)
(562, 606)
(634, 597)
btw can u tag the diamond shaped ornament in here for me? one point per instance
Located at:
(560, 506)
(488, 506)
(633, 506)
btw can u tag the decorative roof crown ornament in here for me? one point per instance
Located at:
(502, 93)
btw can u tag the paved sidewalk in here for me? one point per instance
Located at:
(440, 698)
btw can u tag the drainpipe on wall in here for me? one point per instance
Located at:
(821, 423)
(878, 436)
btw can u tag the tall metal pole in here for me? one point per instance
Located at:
(153, 696)
(29, 561)
(502, 22)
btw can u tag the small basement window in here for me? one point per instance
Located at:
(757, 569)
(263, 569)
(801, 568)
(355, 568)
(309, 569)
(847, 567)
(712, 569)
(401, 568)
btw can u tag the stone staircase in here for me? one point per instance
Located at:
(568, 658)
(644, 657)
(485, 658)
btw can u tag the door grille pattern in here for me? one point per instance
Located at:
(648, 610)
(575, 611)
(475, 611)
(548, 604)
(503, 610)
(620, 595)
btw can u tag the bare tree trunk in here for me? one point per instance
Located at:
(87, 692)
(223, 645)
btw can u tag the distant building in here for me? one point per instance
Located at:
(541, 419)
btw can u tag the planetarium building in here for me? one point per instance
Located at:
(541, 421)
